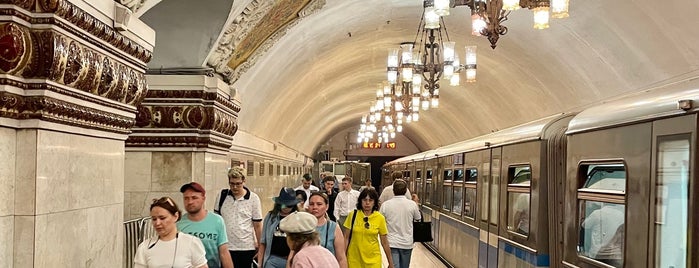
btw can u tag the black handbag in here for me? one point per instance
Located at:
(422, 230)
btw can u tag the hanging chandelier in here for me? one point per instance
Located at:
(415, 69)
(487, 15)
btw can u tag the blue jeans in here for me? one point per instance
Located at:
(401, 257)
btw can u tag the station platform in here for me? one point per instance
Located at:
(421, 257)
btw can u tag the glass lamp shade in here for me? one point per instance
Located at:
(477, 24)
(470, 55)
(393, 135)
(448, 71)
(392, 77)
(541, 17)
(559, 9)
(448, 50)
(510, 4)
(407, 74)
(435, 102)
(399, 128)
(409, 118)
(441, 7)
(455, 79)
(425, 104)
(470, 75)
(406, 56)
(416, 117)
(392, 60)
(431, 18)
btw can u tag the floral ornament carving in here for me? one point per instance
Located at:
(242, 26)
(14, 44)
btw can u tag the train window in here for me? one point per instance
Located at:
(470, 193)
(458, 196)
(458, 175)
(250, 170)
(518, 199)
(428, 186)
(672, 201)
(601, 199)
(447, 189)
(327, 167)
(418, 183)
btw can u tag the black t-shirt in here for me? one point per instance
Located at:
(331, 204)
(279, 246)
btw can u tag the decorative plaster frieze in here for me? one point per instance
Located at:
(49, 109)
(241, 27)
(185, 118)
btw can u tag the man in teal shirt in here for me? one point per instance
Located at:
(207, 226)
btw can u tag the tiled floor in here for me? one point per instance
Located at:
(421, 258)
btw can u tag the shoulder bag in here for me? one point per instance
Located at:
(422, 230)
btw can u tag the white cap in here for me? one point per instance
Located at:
(299, 223)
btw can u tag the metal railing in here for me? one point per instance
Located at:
(136, 231)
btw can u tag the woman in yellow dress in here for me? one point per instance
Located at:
(368, 226)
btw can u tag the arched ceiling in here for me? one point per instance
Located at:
(319, 77)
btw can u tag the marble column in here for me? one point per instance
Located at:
(70, 81)
(183, 133)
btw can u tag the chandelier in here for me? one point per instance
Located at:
(413, 74)
(487, 15)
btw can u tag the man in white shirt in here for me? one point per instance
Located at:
(387, 192)
(400, 212)
(345, 202)
(307, 187)
(242, 213)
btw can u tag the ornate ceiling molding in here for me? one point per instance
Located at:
(245, 24)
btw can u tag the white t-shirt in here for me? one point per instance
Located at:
(308, 193)
(400, 213)
(185, 251)
(387, 194)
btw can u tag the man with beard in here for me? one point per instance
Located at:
(207, 226)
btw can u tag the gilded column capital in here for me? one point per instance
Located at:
(70, 60)
(185, 118)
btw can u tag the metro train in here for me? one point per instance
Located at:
(613, 185)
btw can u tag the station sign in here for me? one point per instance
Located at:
(378, 145)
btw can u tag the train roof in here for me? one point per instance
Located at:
(640, 106)
(520, 133)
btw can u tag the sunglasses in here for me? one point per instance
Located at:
(366, 222)
(164, 200)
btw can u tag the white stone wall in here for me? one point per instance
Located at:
(60, 191)
(7, 194)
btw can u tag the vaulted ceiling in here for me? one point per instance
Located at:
(317, 74)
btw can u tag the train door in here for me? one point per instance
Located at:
(489, 210)
(673, 198)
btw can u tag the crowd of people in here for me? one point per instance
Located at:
(308, 226)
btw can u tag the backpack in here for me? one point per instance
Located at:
(222, 198)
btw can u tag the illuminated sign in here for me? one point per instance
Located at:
(371, 145)
(376, 145)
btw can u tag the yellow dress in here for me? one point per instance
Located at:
(364, 249)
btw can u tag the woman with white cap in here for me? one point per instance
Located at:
(273, 241)
(302, 238)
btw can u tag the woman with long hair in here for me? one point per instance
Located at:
(367, 227)
(169, 248)
(331, 236)
(303, 239)
(273, 241)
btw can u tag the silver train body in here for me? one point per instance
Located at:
(614, 185)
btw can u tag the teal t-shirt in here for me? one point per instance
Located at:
(212, 233)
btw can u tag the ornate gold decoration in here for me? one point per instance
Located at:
(282, 13)
(58, 111)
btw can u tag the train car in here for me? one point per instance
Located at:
(359, 171)
(558, 192)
